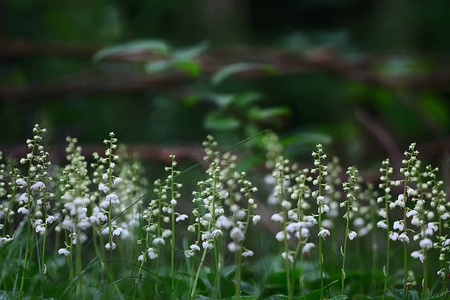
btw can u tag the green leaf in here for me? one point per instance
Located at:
(233, 69)
(189, 53)
(246, 99)
(219, 121)
(258, 114)
(190, 67)
(158, 66)
(135, 46)
(313, 295)
(221, 100)
(339, 297)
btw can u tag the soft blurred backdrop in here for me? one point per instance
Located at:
(365, 78)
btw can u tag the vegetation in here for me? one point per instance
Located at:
(74, 231)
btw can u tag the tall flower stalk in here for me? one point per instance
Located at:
(386, 170)
(350, 188)
(29, 205)
(407, 169)
(321, 171)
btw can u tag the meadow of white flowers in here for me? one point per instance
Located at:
(100, 230)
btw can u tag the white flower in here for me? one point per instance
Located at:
(281, 236)
(247, 253)
(304, 233)
(224, 222)
(4, 240)
(294, 226)
(426, 244)
(216, 233)
(181, 218)
(320, 200)
(256, 219)
(393, 236)
(158, 242)
(22, 210)
(117, 181)
(40, 229)
(403, 238)
(117, 231)
(323, 233)
(277, 218)
(67, 197)
(446, 243)
(311, 221)
(240, 214)
(441, 273)
(290, 257)
(166, 233)
(400, 201)
(418, 254)
(141, 257)
(411, 213)
(102, 187)
(445, 216)
(37, 186)
(308, 247)
(24, 198)
(208, 217)
(113, 199)
(194, 247)
(358, 222)
(237, 234)
(432, 226)
(152, 253)
(352, 235)
(64, 251)
(21, 182)
(173, 202)
(327, 223)
(50, 219)
(382, 224)
(398, 225)
(415, 221)
(323, 209)
(108, 246)
(207, 245)
(233, 247)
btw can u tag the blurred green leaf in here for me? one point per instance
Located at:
(339, 297)
(136, 46)
(260, 114)
(233, 69)
(158, 66)
(190, 67)
(220, 121)
(246, 99)
(313, 295)
(189, 53)
(221, 100)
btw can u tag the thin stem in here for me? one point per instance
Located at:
(345, 245)
(238, 259)
(198, 272)
(172, 240)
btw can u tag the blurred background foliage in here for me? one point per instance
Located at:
(366, 78)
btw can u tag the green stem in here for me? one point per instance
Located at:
(78, 269)
(172, 240)
(27, 250)
(345, 245)
(198, 272)
(238, 259)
